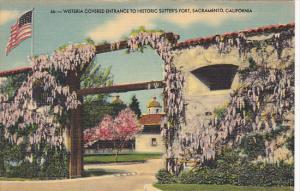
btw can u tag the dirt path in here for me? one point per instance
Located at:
(141, 180)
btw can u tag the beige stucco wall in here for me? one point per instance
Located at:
(197, 96)
(143, 143)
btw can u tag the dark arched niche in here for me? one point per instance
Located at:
(216, 77)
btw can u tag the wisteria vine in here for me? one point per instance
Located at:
(260, 105)
(26, 110)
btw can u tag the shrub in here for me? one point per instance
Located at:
(164, 177)
(247, 174)
(13, 162)
(230, 168)
(253, 146)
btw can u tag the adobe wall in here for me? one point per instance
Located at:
(143, 143)
(200, 101)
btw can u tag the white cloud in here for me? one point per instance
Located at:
(122, 24)
(7, 15)
(115, 28)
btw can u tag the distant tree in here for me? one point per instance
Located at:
(135, 106)
(119, 130)
(95, 107)
(116, 108)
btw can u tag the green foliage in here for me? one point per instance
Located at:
(130, 157)
(95, 107)
(245, 71)
(55, 165)
(246, 174)
(62, 47)
(94, 111)
(116, 108)
(276, 132)
(219, 112)
(164, 177)
(210, 187)
(47, 162)
(252, 64)
(135, 106)
(253, 146)
(134, 32)
(230, 168)
(266, 174)
(95, 76)
(12, 83)
(290, 143)
(89, 41)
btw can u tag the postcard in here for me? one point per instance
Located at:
(147, 95)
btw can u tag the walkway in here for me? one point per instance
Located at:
(141, 178)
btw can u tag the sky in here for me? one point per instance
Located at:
(52, 30)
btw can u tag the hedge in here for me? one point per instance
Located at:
(230, 169)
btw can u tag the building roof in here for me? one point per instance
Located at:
(151, 119)
(153, 103)
(247, 32)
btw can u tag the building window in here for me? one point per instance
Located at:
(154, 142)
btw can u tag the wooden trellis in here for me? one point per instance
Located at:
(75, 133)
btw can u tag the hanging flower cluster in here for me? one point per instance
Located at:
(246, 112)
(115, 46)
(225, 44)
(26, 110)
(173, 77)
(243, 42)
(3, 98)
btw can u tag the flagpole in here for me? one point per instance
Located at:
(32, 33)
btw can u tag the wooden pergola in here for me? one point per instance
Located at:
(75, 133)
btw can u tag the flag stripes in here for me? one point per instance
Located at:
(20, 31)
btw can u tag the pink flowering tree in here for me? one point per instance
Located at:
(119, 130)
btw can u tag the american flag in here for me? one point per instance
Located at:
(20, 31)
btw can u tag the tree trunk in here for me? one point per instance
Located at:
(116, 156)
(119, 150)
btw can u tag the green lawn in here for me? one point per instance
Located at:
(110, 158)
(100, 172)
(206, 187)
(14, 179)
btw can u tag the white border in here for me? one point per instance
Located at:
(297, 97)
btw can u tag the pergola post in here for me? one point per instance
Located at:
(75, 135)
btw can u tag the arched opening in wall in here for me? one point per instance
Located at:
(216, 77)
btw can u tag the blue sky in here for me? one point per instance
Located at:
(53, 30)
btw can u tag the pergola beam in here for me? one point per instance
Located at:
(15, 71)
(103, 48)
(121, 88)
